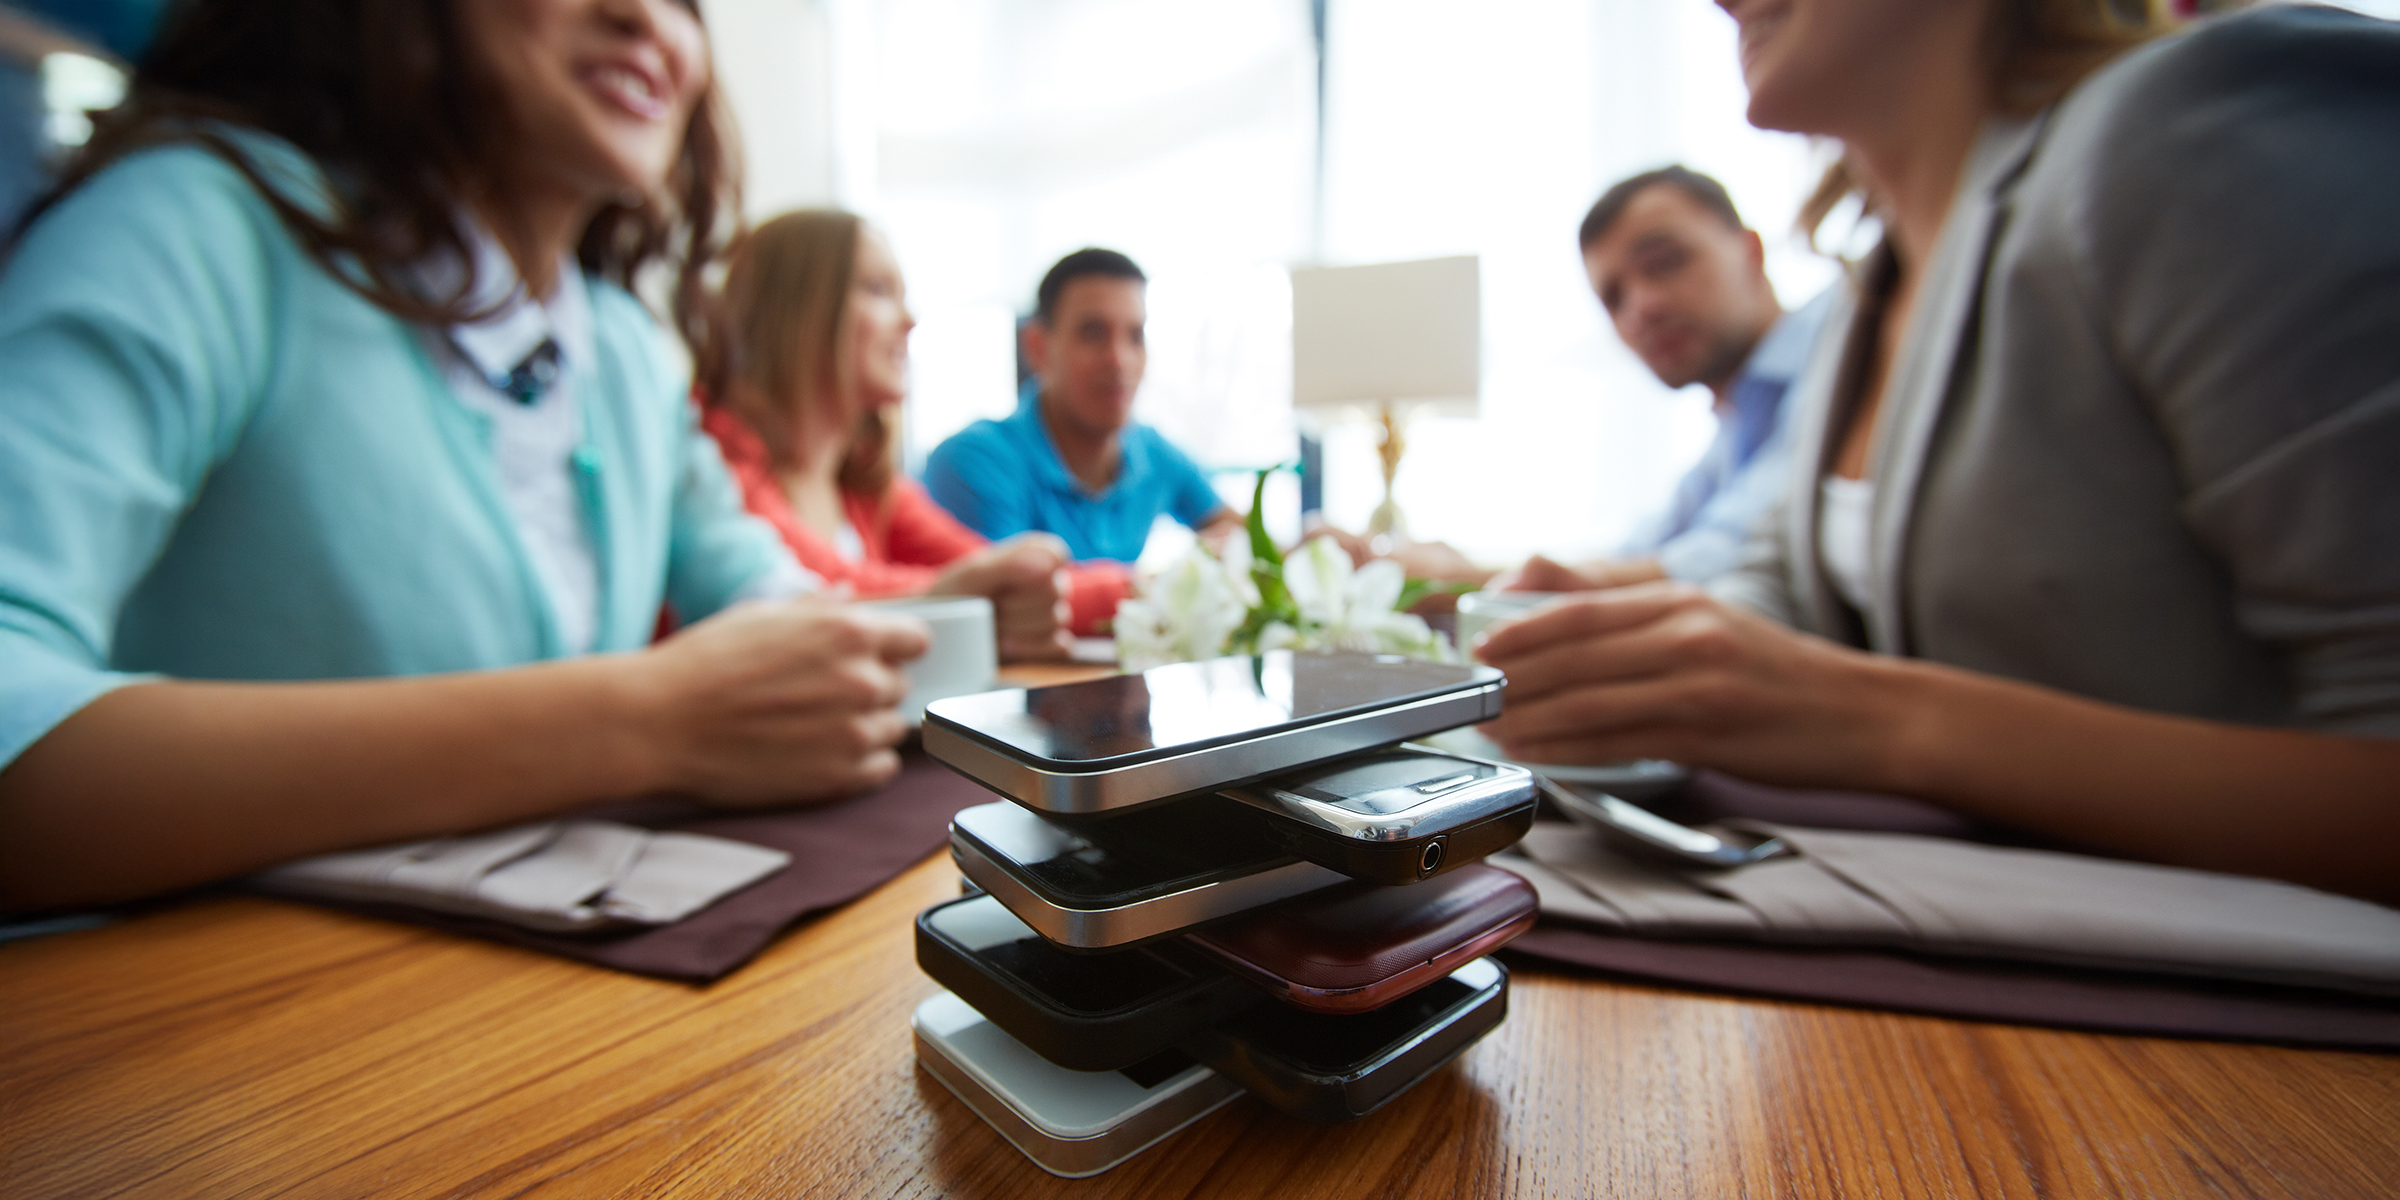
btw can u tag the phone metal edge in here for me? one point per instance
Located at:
(1369, 828)
(1087, 792)
(1067, 1158)
(1106, 928)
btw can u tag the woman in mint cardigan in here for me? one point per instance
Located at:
(342, 479)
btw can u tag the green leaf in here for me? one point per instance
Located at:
(1266, 571)
(1417, 589)
(1262, 547)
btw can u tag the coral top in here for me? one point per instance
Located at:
(906, 539)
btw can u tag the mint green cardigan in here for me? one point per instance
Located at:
(216, 462)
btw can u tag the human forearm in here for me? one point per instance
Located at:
(1544, 574)
(2309, 807)
(1662, 671)
(1222, 523)
(158, 786)
(1622, 572)
(1024, 577)
(233, 776)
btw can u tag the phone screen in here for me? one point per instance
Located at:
(1386, 782)
(1104, 864)
(1125, 719)
(1341, 1045)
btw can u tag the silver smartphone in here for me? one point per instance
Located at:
(1395, 815)
(1126, 740)
(1070, 1123)
(1097, 885)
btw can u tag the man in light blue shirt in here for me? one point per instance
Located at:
(1686, 286)
(1700, 532)
(1071, 460)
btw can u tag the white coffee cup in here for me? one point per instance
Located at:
(1479, 611)
(963, 656)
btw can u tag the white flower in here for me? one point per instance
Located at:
(1191, 609)
(1236, 563)
(1352, 609)
(1277, 636)
(1187, 611)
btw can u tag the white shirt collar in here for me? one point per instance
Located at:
(495, 345)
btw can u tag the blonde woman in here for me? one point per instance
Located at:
(2095, 530)
(805, 402)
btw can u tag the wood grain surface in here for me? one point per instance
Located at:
(253, 1048)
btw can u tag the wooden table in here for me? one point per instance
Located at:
(249, 1047)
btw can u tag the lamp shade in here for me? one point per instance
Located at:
(1405, 332)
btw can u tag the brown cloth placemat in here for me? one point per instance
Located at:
(839, 852)
(2116, 1002)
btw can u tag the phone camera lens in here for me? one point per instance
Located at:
(1432, 859)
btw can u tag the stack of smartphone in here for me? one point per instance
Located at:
(1215, 877)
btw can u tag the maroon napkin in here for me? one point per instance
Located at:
(839, 853)
(1979, 989)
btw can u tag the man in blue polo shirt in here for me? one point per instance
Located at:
(1071, 460)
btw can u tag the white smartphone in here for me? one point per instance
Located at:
(1070, 1123)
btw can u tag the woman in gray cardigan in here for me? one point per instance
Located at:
(2102, 538)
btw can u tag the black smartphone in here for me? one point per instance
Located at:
(1127, 740)
(1085, 1012)
(1099, 885)
(1396, 815)
(1327, 1067)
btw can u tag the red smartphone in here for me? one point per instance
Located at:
(1360, 946)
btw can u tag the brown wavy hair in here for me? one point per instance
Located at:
(2036, 51)
(784, 311)
(390, 101)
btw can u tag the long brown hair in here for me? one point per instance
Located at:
(2036, 51)
(390, 101)
(785, 315)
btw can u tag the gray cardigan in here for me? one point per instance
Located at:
(2142, 441)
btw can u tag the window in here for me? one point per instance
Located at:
(988, 137)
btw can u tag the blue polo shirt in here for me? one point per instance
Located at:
(1005, 477)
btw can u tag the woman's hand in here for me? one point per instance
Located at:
(1025, 579)
(1660, 670)
(772, 703)
(1542, 574)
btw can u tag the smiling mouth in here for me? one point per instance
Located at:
(635, 92)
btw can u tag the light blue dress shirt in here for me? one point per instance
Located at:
(217, 462)
(1002, 478)
(1701, 533)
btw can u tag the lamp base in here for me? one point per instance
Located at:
(1387, 521)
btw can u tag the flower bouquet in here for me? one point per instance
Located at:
(1250, 597)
